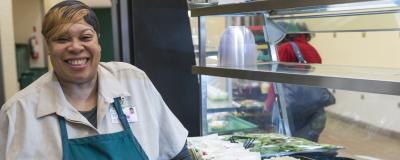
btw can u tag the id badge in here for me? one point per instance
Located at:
(128, 109)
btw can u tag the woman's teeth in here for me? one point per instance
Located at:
(77, 61)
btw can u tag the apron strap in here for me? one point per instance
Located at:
(125, 124)
(121, 116)
(63, 128)
(64, 137)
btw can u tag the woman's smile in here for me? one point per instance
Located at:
(77, 63)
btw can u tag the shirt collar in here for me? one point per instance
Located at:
(109, 86)
(52, 98)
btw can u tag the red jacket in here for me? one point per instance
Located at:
(286, 54)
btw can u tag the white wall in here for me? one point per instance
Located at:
(9, 68)
(375, 49)
(377, 110)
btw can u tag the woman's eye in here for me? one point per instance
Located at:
(86, 38)
(62, 39)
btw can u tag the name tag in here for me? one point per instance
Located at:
(128, 109)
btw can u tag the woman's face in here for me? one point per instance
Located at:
(76, 54)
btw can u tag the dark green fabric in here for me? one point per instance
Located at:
(106, 37)
(115, 146)
(91, 116)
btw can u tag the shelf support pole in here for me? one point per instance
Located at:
(273, 34)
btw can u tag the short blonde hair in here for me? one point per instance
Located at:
(60, 17)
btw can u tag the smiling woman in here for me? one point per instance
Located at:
(71, 31)
(75, 55)
(76, 110)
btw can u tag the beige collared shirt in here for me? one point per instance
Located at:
(29, 127)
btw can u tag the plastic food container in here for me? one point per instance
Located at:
(237, 48)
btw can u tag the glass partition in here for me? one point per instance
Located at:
(364, 123)
(239, 40)
(346, 22)
(236, 105)
(358, 124)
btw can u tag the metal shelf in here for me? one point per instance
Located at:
(363, 79)
(217, 110)
(325, 16)
(267, 5)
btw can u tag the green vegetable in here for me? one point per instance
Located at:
(275, 143)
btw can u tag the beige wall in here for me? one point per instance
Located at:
(215, 26)
(28, 14)
(49, 3)
(7, 41)
(376, 49)
(98, 3)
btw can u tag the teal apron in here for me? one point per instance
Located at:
(115, 146)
